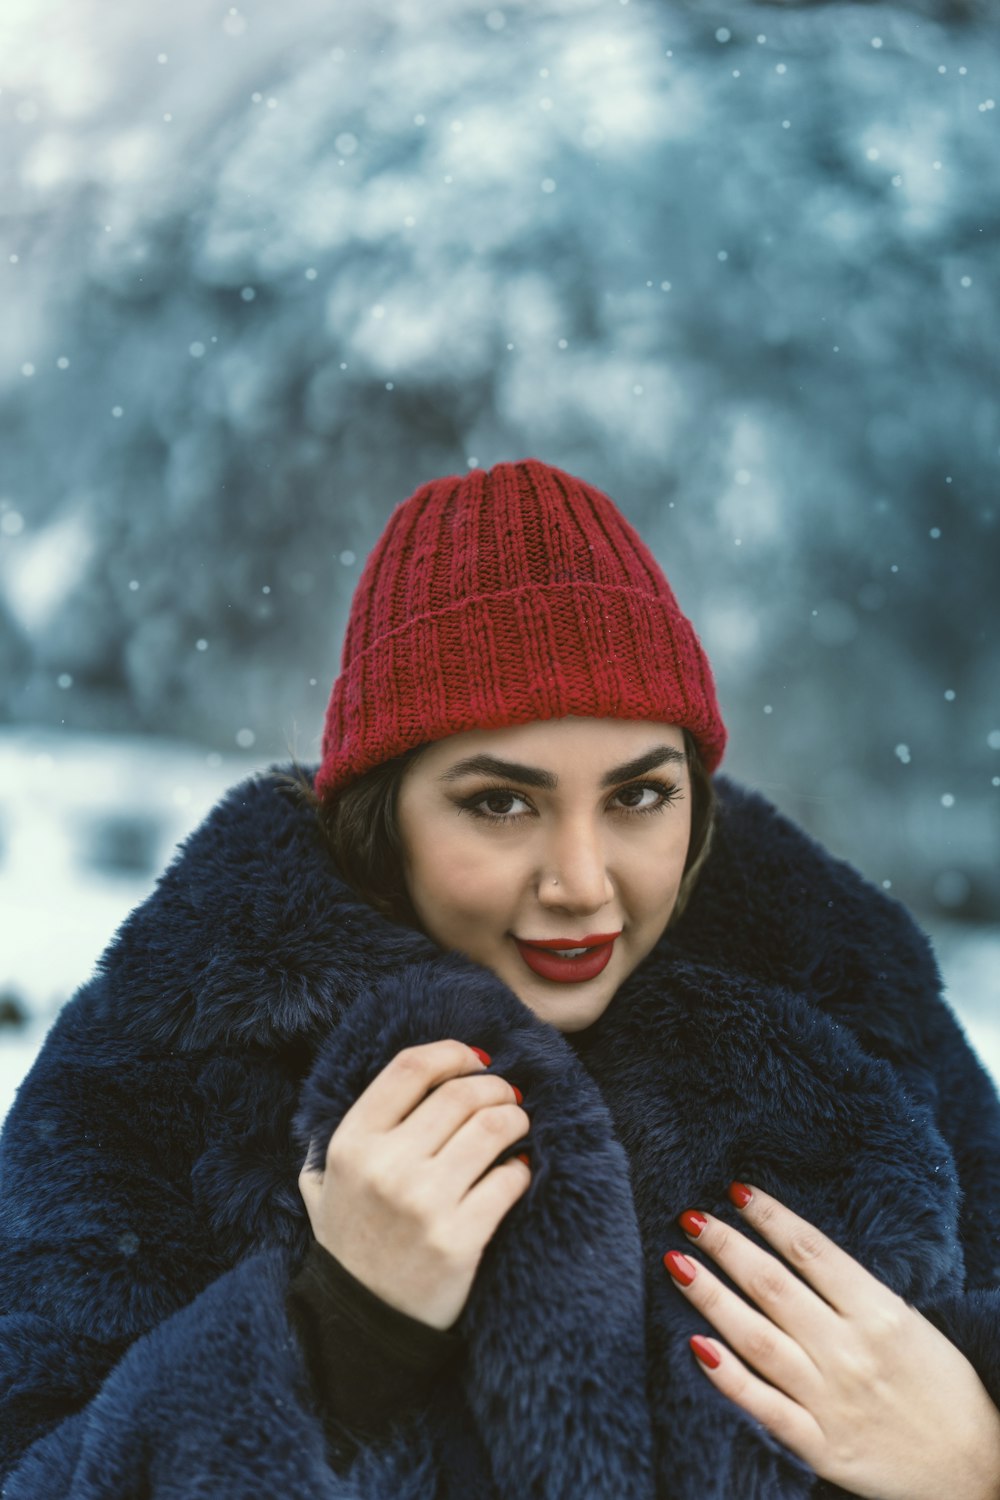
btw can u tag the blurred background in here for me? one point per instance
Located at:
(267, 268)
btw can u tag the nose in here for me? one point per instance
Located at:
(574, 874)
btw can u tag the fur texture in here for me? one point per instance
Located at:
(789, 1030)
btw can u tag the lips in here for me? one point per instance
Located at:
(542, 961)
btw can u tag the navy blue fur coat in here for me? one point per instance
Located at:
(788, 1030)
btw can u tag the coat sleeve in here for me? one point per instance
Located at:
(135, 1359)
(368, 1361)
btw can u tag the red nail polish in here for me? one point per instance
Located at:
(680, 1268)
(739, 1194)
(692, 1222)
(517, 1093)
(522, 1156)
(485, 1056)
(703, 1350)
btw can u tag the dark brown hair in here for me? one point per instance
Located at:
(360, 828)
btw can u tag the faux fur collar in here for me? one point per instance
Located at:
(754, 1041)
(252, 937)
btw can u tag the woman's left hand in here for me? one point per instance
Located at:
(840, 1369)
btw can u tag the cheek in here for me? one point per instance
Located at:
(653, 875)
(462, 873)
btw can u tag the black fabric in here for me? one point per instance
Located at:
(368, 1361)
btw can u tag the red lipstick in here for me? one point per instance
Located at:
(571, 942)
(548, 965)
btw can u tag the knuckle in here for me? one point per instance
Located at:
(383, 1180)
(492, 1120)
(767, 1285)
(410, 1060)
(443, 1248)
(412, 1200)
(477, 1090)
(711, 1295)
(336, 1150)
(506, 1098)
(759, 1346)
(721, 1240)
(460, 1091)
(859, 1367)
(805, 1246)
(871, 1354)
(455, 1054)
(764, 1212)
(885, 1324)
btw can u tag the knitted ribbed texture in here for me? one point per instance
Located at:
(502, 596)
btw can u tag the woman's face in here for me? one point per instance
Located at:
(570, 829)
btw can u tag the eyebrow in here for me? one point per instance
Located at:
(489, 765)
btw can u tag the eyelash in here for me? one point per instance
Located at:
(668, 791)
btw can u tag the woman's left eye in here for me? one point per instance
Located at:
(664, 792)
(642, 790)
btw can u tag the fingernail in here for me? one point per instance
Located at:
(680, 1268)
(517, 1093)
(485, 1056)
(704, 1351)
(692, 1222)
(522, 1156)
(739, 1194)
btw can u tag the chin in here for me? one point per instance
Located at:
(567, 1007)
(565, 1012)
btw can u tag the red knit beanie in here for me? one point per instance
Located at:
(497, 597)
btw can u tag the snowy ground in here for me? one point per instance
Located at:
(87, 824)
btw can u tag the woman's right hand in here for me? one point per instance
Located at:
(402, 1201)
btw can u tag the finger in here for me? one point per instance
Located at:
(771, 1352)
(492, 1198)
(789, 1422)
(407, 1079)
(786, 1299)
(476, 1145)
(835, 1275)
(436, 1119)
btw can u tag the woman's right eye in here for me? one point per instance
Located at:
(493, 806)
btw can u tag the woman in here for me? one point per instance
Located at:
(344, 1177)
